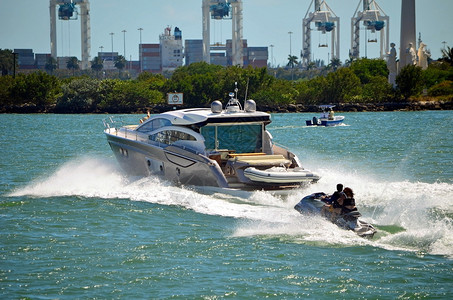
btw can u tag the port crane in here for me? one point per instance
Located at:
(67, 10)
(325, 21)
(374, 19)
(218, 10)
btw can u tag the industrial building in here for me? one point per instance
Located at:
(171, 49)
(223, 54)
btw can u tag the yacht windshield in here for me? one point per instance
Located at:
(243, 138)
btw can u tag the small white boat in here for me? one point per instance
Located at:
(279, 175)
(327, 117)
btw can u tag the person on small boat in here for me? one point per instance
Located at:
(331, 114)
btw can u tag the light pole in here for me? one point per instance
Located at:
(290, 55)
(124, 41)
(444, 42)
(272, 55)
(14, 64)
(111, 34)
(139, 54)
(290, 33)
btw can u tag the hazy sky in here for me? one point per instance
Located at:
(26, 24)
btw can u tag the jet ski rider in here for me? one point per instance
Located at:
(334, 197)
(341, 202)
(348, 202)
(332, 201)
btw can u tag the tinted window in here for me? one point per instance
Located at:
(154, 124)
(170, 136)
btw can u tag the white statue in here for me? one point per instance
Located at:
(423, 56)
(411, 55)
(391, 65)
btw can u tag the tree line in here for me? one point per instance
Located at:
(361, 81)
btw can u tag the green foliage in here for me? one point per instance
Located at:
(366, 69)
(277, 92)
(377, 90)
(292, 61)
(120, 62)
(6, 83)
(97, 64)
(444, 88)
(154, 81)
(37, 88)
(51, 65)
(447, 55)
(79, 96)
(335, 63)
(311, 92)
(126, 96)
(195, 68)
(73, 63)
(6, 62)
(436, 73)
(341, 86)
(201, 83)
(410, 81)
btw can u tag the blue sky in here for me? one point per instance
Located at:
(26, 24)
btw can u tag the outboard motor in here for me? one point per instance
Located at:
(315, 121)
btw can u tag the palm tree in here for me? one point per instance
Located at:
(73, 63)
(97, 64)
(7, 61)
(311, 65)
(120, 63)
(335, 63)
(349, 61)
(51, 65)
(292, 61)
(447, 55)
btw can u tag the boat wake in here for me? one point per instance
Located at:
(409, 216)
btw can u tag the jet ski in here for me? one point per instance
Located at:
(313, 204)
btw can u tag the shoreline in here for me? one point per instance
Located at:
(290, 108)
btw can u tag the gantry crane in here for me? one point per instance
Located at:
(67, 10)
(325, 21)
(218, 10)
(374, 19)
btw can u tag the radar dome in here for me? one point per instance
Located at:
(216, 107)
(250, 105)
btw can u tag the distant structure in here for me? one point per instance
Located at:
(108, 59)
(423, 56)
(171, 49)
(407, 34)
(374, 19)
(165, 56)
(392, 65)
(218, 10)
(256, 57)
(67, 10)
(150, 60)
(325, 21)
(26, 58)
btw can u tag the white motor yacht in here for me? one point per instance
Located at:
(220, 147)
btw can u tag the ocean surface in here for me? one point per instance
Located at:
(74, 225)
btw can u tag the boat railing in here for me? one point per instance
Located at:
(112, 122)
(119, 129)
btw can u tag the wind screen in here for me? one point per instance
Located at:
(243, 138)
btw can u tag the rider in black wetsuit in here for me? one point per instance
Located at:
(348, 204)
(335, 196)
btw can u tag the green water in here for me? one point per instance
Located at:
(73, 225)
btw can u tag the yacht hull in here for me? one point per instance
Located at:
(171, 163)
